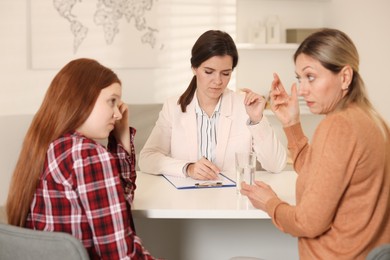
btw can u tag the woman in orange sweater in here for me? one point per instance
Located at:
(342, 206)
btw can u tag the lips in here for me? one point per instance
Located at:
(309, 103)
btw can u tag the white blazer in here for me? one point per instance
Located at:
(173, 141)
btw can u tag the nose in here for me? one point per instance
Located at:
(117, 113)
(218, 79)
(303, 89)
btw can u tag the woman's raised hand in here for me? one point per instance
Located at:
(254, 105)
(285, 107)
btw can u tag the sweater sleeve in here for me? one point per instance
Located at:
(297, 145)
(326, 176)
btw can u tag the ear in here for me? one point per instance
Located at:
(193, 71)
(346, 74)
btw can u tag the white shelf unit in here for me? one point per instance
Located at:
(279, 46)
(258, 62)
(291, 14)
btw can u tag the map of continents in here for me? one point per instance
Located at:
(107, 15)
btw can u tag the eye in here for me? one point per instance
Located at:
(310, 78)
(112, 101)
(226, 73)
(208, 71)
(298, 79)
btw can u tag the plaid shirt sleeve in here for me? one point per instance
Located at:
(106, 184)
(86, 190)
(127, 179)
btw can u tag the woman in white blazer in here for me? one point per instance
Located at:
(198, 133)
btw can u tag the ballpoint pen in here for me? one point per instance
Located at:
(208, 184)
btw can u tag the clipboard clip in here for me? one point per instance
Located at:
(208, 184)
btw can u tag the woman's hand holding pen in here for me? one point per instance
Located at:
(254, 105)
(203, 170)
(285, 107)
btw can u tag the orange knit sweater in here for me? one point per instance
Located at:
(343, 188)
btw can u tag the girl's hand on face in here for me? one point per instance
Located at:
(121, 130)
(259, 194)
(254, 105)
(285, 107)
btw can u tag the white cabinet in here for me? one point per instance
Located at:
(258, 62)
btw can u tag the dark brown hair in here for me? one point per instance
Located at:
(209, 44)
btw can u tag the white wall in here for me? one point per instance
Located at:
(366, 22)
(23, 88)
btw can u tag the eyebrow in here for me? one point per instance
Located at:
(304, 68)
(115, 95)
(307, 67)
(215, 69)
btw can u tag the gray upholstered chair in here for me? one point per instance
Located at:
(380, 253)
(23, 243)
(245, 258)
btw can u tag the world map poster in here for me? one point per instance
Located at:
(118, 33)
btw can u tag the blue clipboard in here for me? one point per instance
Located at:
(189, 183)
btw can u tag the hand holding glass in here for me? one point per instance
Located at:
(245, 168)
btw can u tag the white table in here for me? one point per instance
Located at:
(210, 223)
(155, 197)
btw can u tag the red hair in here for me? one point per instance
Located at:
(68, 102)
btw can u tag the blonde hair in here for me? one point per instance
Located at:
(68, 102)
(335, 50)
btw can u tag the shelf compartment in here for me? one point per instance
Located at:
(255, 46)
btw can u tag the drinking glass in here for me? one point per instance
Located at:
(245, 168)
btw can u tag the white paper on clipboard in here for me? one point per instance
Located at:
(189, 183)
